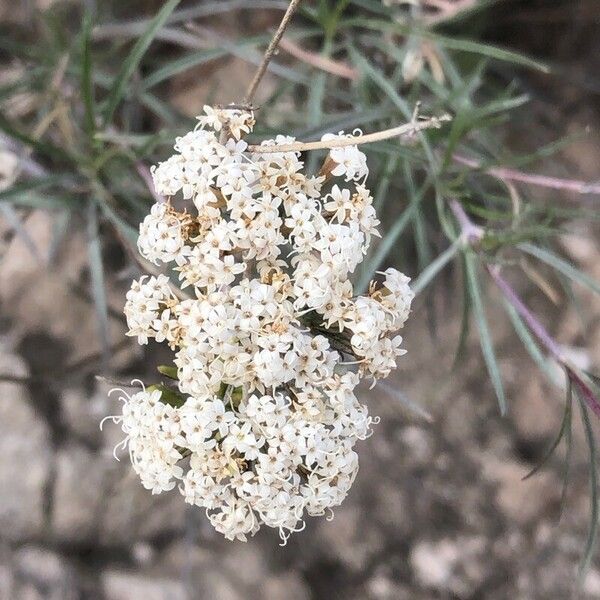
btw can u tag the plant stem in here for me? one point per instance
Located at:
(341, 142)
(470, 232)
(555, 183)
(272, 47)
(534, 325)
(323, 63)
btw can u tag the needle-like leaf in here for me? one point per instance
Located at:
(133, 59)
(485, 337)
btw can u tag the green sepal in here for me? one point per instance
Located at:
(167, 395)
(168, 370)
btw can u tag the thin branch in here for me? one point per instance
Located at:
(470, 233)
(341, 142)
(545, 338)
(272, 47)
(323, 63)
(533, 323)
(556, 183)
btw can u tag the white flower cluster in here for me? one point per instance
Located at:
(272, 342)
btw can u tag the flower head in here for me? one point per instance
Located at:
(272, 341)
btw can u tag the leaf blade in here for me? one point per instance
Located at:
(133, 59)
(97, 278)
(434, 267)
(561, 265)
(485, 338)
(87, 86)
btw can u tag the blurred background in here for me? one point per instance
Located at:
(93, 93)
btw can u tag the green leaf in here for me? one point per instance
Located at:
(45, 147)
(168, 370)
(390, 239)
(128, 233)
(566, 470)
(316, 96)
(14, 192)
(407, 402)
(167, 395)
(430, 272)
(564, 426)
(97, 277)
(529, 343)
(181, 64)
(594, 379)
(401, 104)
(87, 86)
(490, 51)
(470, 46)
(465, 318)
(133, 59)
(384, 182)
(593, 478)
(561, 265)
(485, 338)
(194, 59)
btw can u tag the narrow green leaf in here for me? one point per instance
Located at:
(593, 477)
(390, 239)
(407, 402)
(87, 86)
(384, 182)
(485, 338)
(133, 59)
(561, 265)
(419, 222)
(45, 147)
(128, 233)
(529, 343)
(564, 425)
(568, 446)
(167, 395)
(12, 193)
(60, 228)
(470, 46)
(490, 51)
(44, 201)
(168, 370)
(430, 272)
(195, 59)
(594, 379)
(182, 64)
(97, 278)
(160, 108)
(316, 96)
(465, 321)
(384, 248)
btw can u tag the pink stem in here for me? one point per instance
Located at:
(556, 183)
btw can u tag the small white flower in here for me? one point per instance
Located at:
(272, 340)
